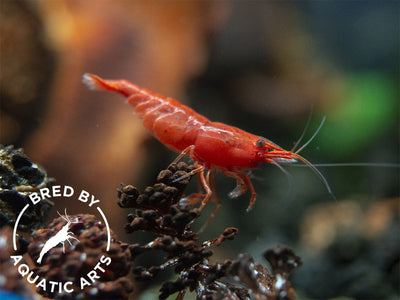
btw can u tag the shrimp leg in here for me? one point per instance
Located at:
(205, 180)
(211, 180)
(243, 184)
(187, 151)
(207, 197)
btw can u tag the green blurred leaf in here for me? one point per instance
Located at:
(369, 109)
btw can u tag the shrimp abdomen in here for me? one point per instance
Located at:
(173, 123)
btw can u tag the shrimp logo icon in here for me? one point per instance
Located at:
(60, 237)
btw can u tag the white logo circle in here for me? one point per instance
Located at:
(60, 237)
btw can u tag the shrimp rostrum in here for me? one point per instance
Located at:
(211, 145)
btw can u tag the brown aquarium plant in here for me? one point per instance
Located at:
(160, 209)
(73, 261)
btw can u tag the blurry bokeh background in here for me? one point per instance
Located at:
(259, 65)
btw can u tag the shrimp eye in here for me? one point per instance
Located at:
(260, 143)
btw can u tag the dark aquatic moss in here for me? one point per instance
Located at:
(18, 177)
(159, 210)
(282, 259)
(81, 257)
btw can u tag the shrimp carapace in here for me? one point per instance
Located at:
(213, 146)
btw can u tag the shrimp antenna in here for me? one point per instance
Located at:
(304, 131)
(66, 216)
(315, 170)
(356, 164)
(314, 135)
(288, 175)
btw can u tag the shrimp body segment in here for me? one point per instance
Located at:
(213, 146)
